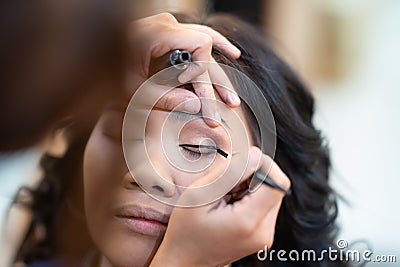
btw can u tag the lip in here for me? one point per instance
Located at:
(142, 220)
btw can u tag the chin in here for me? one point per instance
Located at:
(130, 251)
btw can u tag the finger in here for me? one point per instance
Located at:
(179, 99)
(254, 162)
(256, 232)
(205, 91)
(221, 185)
(258, 203)
(170, 37)
(218, 39)
(255, 206)
(152, 95)
(201, 58)
(270, 169)
(266, 228)
(255, 217)
(223, 85)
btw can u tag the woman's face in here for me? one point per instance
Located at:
(127, 224)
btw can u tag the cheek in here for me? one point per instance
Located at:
(103, 170)
(214, 171)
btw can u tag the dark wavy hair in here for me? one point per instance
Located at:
(307, 217)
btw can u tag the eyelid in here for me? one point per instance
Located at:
(184, 117)
(196, 130)
(220, 151)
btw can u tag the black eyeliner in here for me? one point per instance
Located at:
(266, 180)
(219, 151)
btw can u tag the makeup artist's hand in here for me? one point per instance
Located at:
(157, 35)
(220, 233)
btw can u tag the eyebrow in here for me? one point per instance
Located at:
(181, 116)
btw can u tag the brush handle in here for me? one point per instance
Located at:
(266, 180)
(271, 183)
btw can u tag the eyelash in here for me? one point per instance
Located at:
(195, 154)
(185, 147)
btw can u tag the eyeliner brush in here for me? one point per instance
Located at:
(266, 180)
(272, 183)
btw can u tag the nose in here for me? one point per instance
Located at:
(151, 178)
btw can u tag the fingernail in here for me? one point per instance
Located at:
(234, 99)
(237, 51)
(213, 121)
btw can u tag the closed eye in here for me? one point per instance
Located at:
(203, 150)
(195, 151)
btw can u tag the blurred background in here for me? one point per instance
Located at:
(348, 52)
